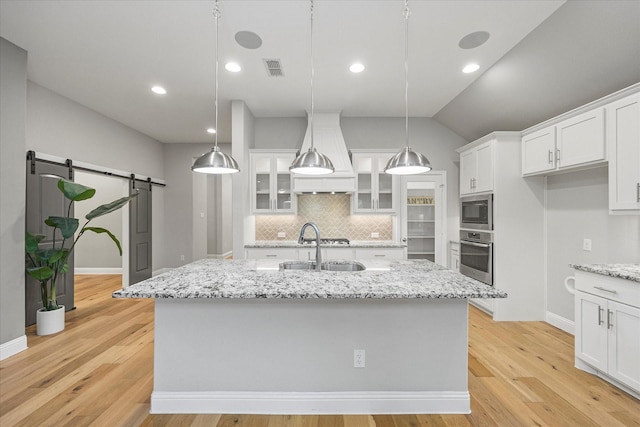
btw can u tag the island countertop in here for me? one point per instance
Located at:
(353, 244)
(261, 279)
(622, 271)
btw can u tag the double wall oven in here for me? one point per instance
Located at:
(476, 237)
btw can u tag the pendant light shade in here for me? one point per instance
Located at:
(407, 161)
(311, 162)
(215, 161)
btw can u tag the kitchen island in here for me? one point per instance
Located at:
(244, 337)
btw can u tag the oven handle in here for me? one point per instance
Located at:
(479, 245)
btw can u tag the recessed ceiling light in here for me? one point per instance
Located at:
(234, 67)
(211, 130)
(159, 90)
(470, 68)
(356, 68)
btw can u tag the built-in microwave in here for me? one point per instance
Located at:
(476, 212)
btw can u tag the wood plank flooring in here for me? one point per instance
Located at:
(99, 372)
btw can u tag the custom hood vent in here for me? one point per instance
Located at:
(328, 140)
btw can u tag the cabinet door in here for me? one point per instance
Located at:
(538, 151)
(365, 195)
(624, 343)
(623, 139)
(384, 186)
(262, 198)
(283, 201)
(581, 139)
(338, 253)
(591, 330)
(484, 168)
(467, 171)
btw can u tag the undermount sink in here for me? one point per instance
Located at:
(326, 266)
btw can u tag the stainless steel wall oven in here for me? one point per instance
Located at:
(476, 255)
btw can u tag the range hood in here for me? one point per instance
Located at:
(328, 140)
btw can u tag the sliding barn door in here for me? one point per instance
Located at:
(140, 233)
(44, 199)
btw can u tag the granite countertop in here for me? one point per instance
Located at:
(212, 278)
(352, 244)
(622, 271)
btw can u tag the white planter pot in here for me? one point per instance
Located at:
(49, 322)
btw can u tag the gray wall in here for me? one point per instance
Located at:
(98, 250)
(434, 140)
(185, 198)
(219, 215)
(13, 106)
(577, 208)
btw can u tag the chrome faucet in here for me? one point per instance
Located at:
(301, 240)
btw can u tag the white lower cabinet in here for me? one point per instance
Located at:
(379, 253)
(607, 333)
(271, 253)
(327, 252)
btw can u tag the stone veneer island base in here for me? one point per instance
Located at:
(231, 337)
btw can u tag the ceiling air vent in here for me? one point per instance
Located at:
(274, 67)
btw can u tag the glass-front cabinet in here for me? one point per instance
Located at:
(271, 181)
(374, 188)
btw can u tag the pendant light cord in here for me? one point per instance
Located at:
(406, 13)
(311, 118)
(216, 13)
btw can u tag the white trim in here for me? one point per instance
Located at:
(160, 271)
(220, 256)
(365, 402)
(584, 366)
(560, 322)
(12, 347)
(97, 270)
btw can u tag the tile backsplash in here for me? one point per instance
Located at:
(331, 213)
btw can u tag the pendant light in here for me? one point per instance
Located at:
(407, 161)
(215, 161)
(312, 162)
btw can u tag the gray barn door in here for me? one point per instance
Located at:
(140, 233)
(43, 200)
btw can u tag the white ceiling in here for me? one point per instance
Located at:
(107, 54)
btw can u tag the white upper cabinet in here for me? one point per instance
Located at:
(374, 187)
(476, 169)
(271, 189)
(623, 136)
(573, 143)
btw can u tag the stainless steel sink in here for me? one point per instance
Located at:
(298, 265)
(327, 265)
(342, 266)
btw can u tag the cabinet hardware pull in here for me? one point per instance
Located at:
(638, 192)
(379, 255)
(271, 255)
(550, 156)
(558, 155)
(606, 290)
(609, 323)
(600, 310)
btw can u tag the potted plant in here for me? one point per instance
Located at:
(47, 264)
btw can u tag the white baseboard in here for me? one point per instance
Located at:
(97, 270)
(220, 256)
(12, 347)
(560, 322)
(305, 403)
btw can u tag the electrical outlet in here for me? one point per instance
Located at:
(358, 358)
(375, 235)
(586, 244)
(181, 257)
(281, 234)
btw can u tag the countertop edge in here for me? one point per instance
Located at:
(621, 271)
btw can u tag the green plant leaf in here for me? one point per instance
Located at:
(67, 226)
(40, 273)
(74, 191)
(110, 207)
(31, 242)
(104, 230)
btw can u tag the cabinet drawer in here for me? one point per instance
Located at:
(272, 253)
(379, 253)
(613, 288)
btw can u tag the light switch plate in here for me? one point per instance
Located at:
(586, 244)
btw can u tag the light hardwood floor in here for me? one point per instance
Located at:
(99, 372)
